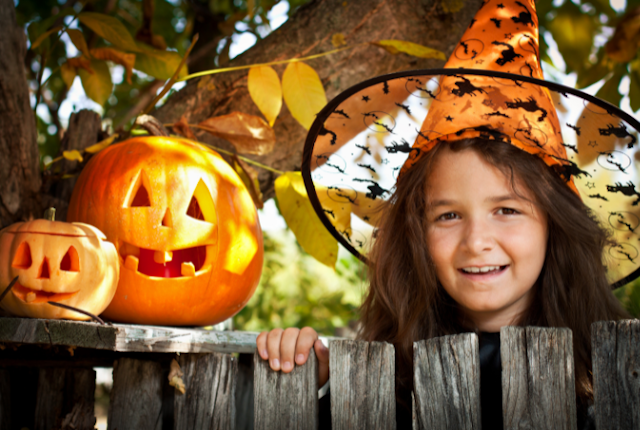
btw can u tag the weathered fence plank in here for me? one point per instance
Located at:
(447, 382)
(285, 400)
(538, 379)
(65, 399)
(209, 400)
(616, 374)
(362, 378)
(136, 396)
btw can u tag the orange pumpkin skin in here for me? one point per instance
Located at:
(141, 193)
(68, 263)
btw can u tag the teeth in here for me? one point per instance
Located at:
(188, 269)
(30, 297)
(162, 257)
(131, 263)
(484, 269)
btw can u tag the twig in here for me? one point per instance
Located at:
(71, 308)
(6, 290)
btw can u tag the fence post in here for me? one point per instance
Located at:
(538, 379)
(446, 380)
(285, 400)
(209, 400)
(136, 396)
(616, 374)
(362, 385)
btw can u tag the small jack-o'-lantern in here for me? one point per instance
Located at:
(66, 263)
(184, 225)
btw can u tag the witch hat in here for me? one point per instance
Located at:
(492, 87)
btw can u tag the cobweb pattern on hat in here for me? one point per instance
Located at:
(364, 137)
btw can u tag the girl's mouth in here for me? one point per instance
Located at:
(482, 272)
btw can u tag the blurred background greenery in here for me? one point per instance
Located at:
(587, 44)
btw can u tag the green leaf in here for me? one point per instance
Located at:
(609, 90)
(110, 29)
(97, 85)
(159, 64)
(45, 35)
(297, 211)
(410, 48)
(68, 73)
(573, 31)
(594, 73)
(36, 29)
(77, 38)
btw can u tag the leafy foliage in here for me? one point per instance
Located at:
(296, 291)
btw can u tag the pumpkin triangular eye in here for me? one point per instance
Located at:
(22, 259)
(201, 206)
(70, 262)
(138, 195)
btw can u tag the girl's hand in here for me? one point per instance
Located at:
(286, 348)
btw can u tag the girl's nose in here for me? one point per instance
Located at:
(479, 237)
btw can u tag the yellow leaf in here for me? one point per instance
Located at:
(248, 133)
(101, 145)
(410, 48)
(175, 377)
(68, 73)
(73, 155)
(623, 45)
(97, 85)
(78, 41)
(297, 211)
(337, 40)
(80, 63)
(303, 93)
(110, 29)
(251, 5)
(43, 36)
(159, 64)
(118, 57)
(266, 92)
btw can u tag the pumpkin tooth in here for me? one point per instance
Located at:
(131, 263)
(188, 269)
(162, 257)
(30, 297)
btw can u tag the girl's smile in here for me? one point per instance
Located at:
(487, 240)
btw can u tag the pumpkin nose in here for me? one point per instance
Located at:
(44, 270)
(167, 219)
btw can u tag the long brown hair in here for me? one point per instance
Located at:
(406, 302)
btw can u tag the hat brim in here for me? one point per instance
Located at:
(358, 143)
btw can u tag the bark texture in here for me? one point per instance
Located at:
(309, 32)
(19, 158)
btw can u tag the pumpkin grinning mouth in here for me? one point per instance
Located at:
(30, 296)
(170, 264)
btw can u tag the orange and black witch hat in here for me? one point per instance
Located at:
(492, 87)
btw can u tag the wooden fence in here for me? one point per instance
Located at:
(38, 376)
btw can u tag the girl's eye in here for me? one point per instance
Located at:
(446, 216)
(507, 211)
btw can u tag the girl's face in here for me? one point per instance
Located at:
(487, 243)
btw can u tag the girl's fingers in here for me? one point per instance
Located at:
(287, 348)
(322, 352)
(306, 339)
(273, 347)
(261, 344)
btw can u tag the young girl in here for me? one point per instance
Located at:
(487, 226)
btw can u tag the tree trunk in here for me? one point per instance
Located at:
(19, 158)
(309, 32)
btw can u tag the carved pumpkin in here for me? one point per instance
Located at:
(184, 225)
(67, 263)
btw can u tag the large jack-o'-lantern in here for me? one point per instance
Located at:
(65, 263)
(184, 225)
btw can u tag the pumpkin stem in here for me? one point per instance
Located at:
(71, 308)
(50, 214)
(6, 290)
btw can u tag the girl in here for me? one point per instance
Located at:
(487, 226)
